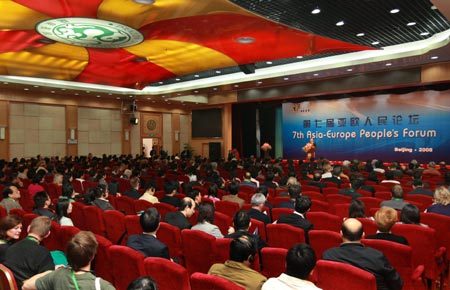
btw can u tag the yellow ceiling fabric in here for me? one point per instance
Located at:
(172, 9)
(55, 61)
(181, 58)
(126, 12)
(16, 17)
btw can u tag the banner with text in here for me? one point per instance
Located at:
(386, 127)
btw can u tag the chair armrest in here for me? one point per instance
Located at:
(417, 275)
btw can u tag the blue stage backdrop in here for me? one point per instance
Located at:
(387, 127)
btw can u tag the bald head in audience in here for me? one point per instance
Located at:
(352, 231)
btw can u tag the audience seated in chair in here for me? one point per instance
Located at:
(411, 215)
(355, 184)
(237, 268)
(441, 203)
(385, 218)
(298, 218)
(300, 261)
(42, 204)
(256, 212)
(81, 250)
(27, 257)
(233, 189)
(351, 251)
(242, 223)
(419, 189)
(397, 201)
(170, 189)
(180, 218)
(63, 210)
(133, 191)
(143, 283)
(294, 192)
(205, 220)
(10, 229)
(357, 209)
(11, 196)
(101, 197)
(147, 243)
(149, 194)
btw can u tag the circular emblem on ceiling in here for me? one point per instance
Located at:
(89, 32)
(151, 125)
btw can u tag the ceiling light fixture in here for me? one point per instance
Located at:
(360, 34)
(177, 79)
(145, 2)
(286, 79)
(411, 23)
(388, 64)
(349, 69)
(197, 76)
(218, 72)
(394, 11)
(425, 33)
(268, 62)
(299, 56)
(340, 23)
(375, 43)
(26, 89)
(245, 40)
(434, 57)
(316, 74)
(315, 10)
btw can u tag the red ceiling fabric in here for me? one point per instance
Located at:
(63, 8)
(17, 40)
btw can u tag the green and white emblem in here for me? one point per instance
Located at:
(89, 32)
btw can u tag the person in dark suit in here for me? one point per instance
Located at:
(170, 189)
(418, 188)
(241, 225)
(355, 184)
(385, 218)
(147, 243)
(133, 191)
(297, 218)
(294, 191)
(352, 252)
(256, 212)
(180, 218)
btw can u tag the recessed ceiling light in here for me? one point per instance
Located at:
(259, 82)
(52, 92)
(215, 89)
(349, 69)
(433, 7)
(286, 79)
(316, 74)
(425, 33)
(118, 98)
(340, 23)
(76, 94)
(360, 34)
(130, 96)
(299, 56)
(236, 86)
(268, 62)
(196, 92)
(388, 64)
(394, 11)
(145, 2)
(63, 89)
(98, 96)
(218, 72)
(434, 57)
(411, 23)
(26, 89)
(245, 40)
(197, 76)
(316, 10)
(36, 86)
(375, 43)
(160, 83)
(177, 79)
(149, 98)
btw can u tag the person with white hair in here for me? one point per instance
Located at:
(257, 211)
(431, 170)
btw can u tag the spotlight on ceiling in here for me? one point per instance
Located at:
(434, 57)
(145, 2)
(411, 23)
(340, 23)
(360, 34)
(316, 10)
(425, 33)
(394, 11)
(375, 43)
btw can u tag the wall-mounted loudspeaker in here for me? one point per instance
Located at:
(134, 121)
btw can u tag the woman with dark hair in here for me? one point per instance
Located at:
(100, 194)
(212, 193)
(143, 283)
(63, 209)
(357, 209)
(205, 220)
(10, 229)
(35, 185)
(411, 215)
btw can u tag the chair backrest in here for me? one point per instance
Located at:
(94, 220)
(322, 240)
(258, 227)
(338, 198)
(278, 211)
(424, 245)
(126, 265)
(115, 225)
(142, 205)
(424, 200)
(77, 215)
(227, 207)
(222, 221)
(7, 281)
(370, 202)
(400, 257)
(369, 226)
(167, 274)
(171, 236)
(66, 234)
(133, 225)
(314, 195)
(325, 221)
(339, 276)
(280, 199)
(441, 224)
(102, 261)
(384, 194)
(53, 241)
(273, 261)
(222, 249)
(330, 189)
(125, 204)
(164, 208)
(318, 205)
(200, 281)
(340, 209)
(18, 212)
(284, 236)
(199, 250)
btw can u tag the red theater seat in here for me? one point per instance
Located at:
(284, 236)
(200, 281)
(171, 237)
(167, 274)
(115, 225)
(102, 263)
(7, 280)
(227, 207)
(325, 221)
(273, 261)
(322, 240)
(199, 250)
(125, 204)
(94, 217)
(126, 265)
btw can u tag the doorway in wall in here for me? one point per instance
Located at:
(147, 144)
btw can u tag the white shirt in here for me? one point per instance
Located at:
(286, 282)
(65, 221)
